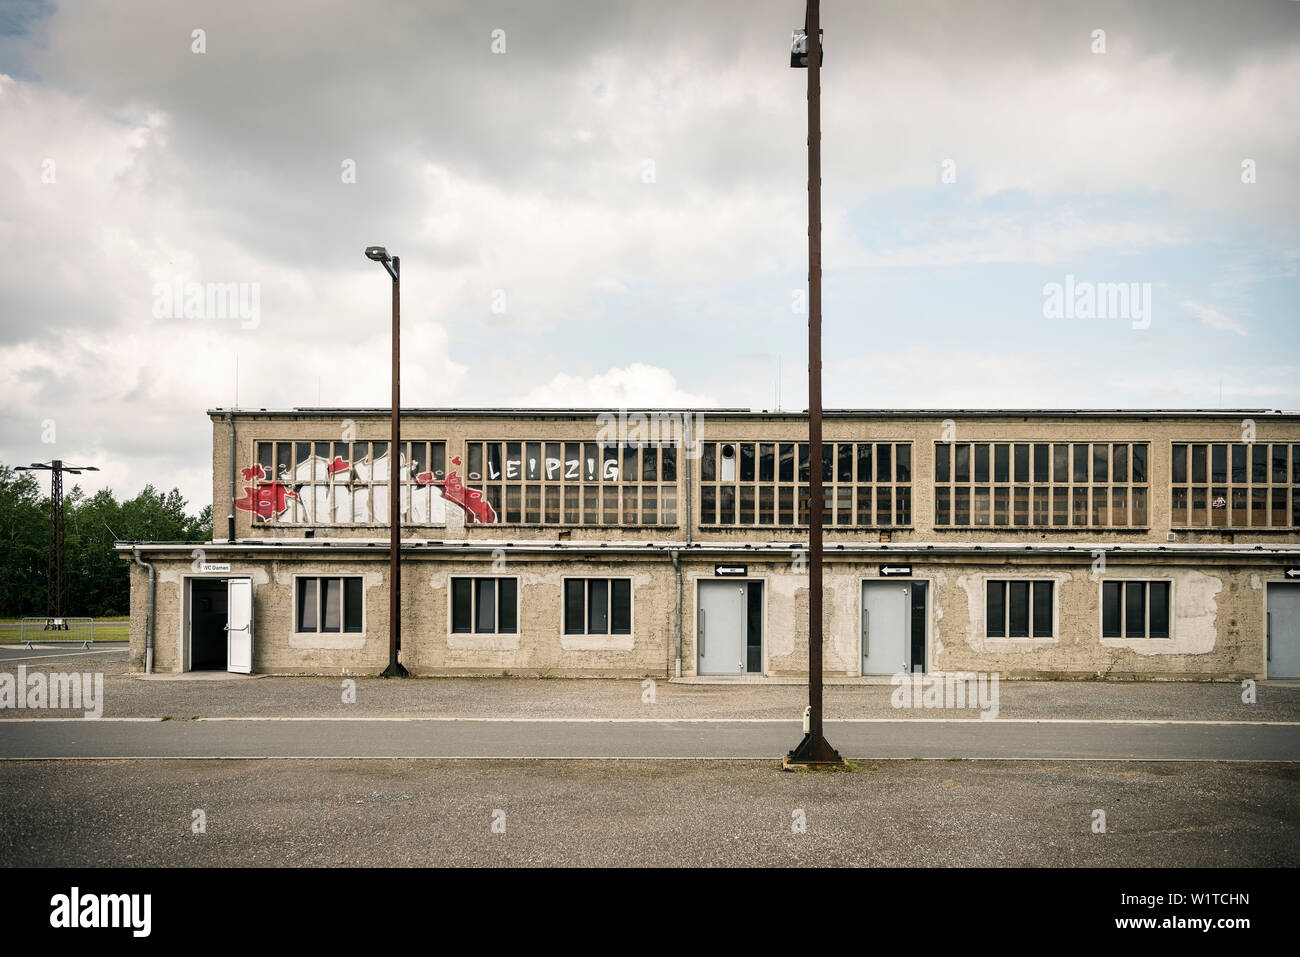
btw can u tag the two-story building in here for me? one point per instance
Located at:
(577, 542)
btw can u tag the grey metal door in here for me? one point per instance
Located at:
(720, 628)
(1283, 630)
(886, 627)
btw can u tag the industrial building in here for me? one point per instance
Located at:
(1153, 544)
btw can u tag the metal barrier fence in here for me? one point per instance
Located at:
(60, 631)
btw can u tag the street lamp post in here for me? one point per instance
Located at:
(814, 749)
(394, 670)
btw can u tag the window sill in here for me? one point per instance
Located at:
(1017, 645)
(327, 641)
(825, 528)
(596, 642)
(1137, 529)
(482, 641)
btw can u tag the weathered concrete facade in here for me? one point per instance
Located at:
(1127, 484)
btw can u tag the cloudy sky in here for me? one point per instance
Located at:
(603, 204)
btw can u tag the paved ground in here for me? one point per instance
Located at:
(381, 811)
(128, 696)
(330, 813)
(1009, 739)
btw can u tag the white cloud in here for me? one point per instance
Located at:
(634, 386)
(225, 168)
(1211, 318)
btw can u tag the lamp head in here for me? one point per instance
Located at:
(378, 253)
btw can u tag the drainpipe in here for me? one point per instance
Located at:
(230, 516)
(148, 618)
(690, 445)
(677, 571)
(687, 466)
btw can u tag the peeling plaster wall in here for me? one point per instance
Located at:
(1217, 618)
(1208, 632)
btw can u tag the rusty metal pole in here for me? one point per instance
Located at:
(395, 669)
(814, 749)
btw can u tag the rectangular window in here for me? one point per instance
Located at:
(577, 483)
(866, 484)
(598, 606)
(786, 473)
(1019, 609)
(484, 606)
(1135, 609)
(575, 604)
(1111, 609)
(1119, 463)
(1080, 485)
(330, 605)
(1250, 486)
(1002, 463)
(995, 609)
(1041, 464)
(1042, 609)
(345, 483)
(1219, 463)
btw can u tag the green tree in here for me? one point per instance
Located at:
(24, 535)
(98, 582)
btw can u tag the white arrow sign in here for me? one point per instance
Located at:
(1293, 573)
(895, 569)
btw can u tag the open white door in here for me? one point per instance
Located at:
(239, 625)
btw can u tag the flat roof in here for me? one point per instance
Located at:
(890, 551)
(830, 413)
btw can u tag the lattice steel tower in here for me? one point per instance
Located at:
(56, 583)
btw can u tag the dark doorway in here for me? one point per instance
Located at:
(919, 590)
(754, 628)
(208, 624)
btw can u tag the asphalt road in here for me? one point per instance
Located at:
(626, 813)
(1000, 739)
(227, 696)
